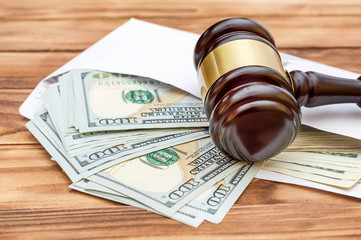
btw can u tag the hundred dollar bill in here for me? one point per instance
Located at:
(213, 204)
(166, 180)
(79, 149)
(340, 170)
(108, 101)
(337, 182)
(96, 140)
(348, 160)
(104, 192)
(97, 160)
(318, 168)
(77, 143)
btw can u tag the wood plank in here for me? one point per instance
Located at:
(37, 202)
(12, 124)
(25, 69)
(76, 35)
(68, 9)
(284, 221)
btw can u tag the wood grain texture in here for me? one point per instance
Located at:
(51, 35)
(12, 124)
(24, 70)
(37, 37)
(81, 9)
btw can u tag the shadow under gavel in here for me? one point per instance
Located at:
(252, 103)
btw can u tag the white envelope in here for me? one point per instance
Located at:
(166, 54)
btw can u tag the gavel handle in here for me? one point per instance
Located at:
(313, 89)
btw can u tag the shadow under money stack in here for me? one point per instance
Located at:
(140, 142)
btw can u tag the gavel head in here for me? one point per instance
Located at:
(248, 96)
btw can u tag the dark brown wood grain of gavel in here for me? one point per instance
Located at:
(252, 103)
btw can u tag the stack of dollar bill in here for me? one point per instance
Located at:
(341, 170)
(144, 143)
(140, 142)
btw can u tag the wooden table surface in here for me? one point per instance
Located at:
(37, 37)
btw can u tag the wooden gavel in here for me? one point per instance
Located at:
(252, 103)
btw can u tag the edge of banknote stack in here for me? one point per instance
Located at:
(140, 142)
(334, 169)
